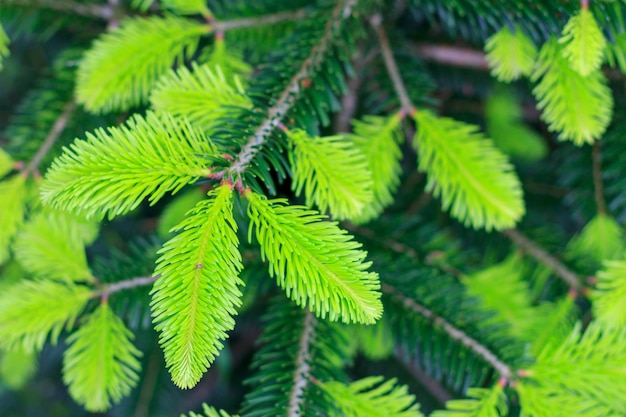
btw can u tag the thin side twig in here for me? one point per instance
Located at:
(270, 19)
(100, 11)
(54, 134)
(544, 257)
(390, 63)
(126, 285)
(455, 333)
(598, 184)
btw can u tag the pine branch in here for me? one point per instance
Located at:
(291, 92)
(579, 108)
(584, 42)
(609, 294)
(378, 139)
(510, 54)
(472, 344)
(481, 402)
(545, 258)
(302, 366)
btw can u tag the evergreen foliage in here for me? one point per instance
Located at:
(21, 325)
(197, 291)
(304, 252)
(202, 96)
(474, 180)
(153, 155)
(282, 199)
(584, 41)
(52, 245)
(331, 172)
(123, 66)
(4, 45)
(104, 344)
(511, 54)
(379, 139)
(370, 397)
(481, 403)
(578, 107)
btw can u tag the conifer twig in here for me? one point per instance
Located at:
(101, 11)
(150, 379)
(287, 99)
(598, 185)
(301, 374)
(403, 249)
(54, 133)
(457, 334)
(457, 56)
(544, 257)
(126, 285)
(390, 64)
(269, 19)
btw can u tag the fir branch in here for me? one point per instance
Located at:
(55, 132)
(147, 157)
(123, 65)
(101, 365)
(481, 402)
(390, 63)
(13, 194)
(453, 332)
(198, 293)
(290, 94)
(52, 244)
(332, 173)
(33, 311)
(314, 261)
(301, 371)
(545, 258)
(475, 181)
(577, 107)
(598, 184)
(4, 45)
(373, 397)
(510, 54)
